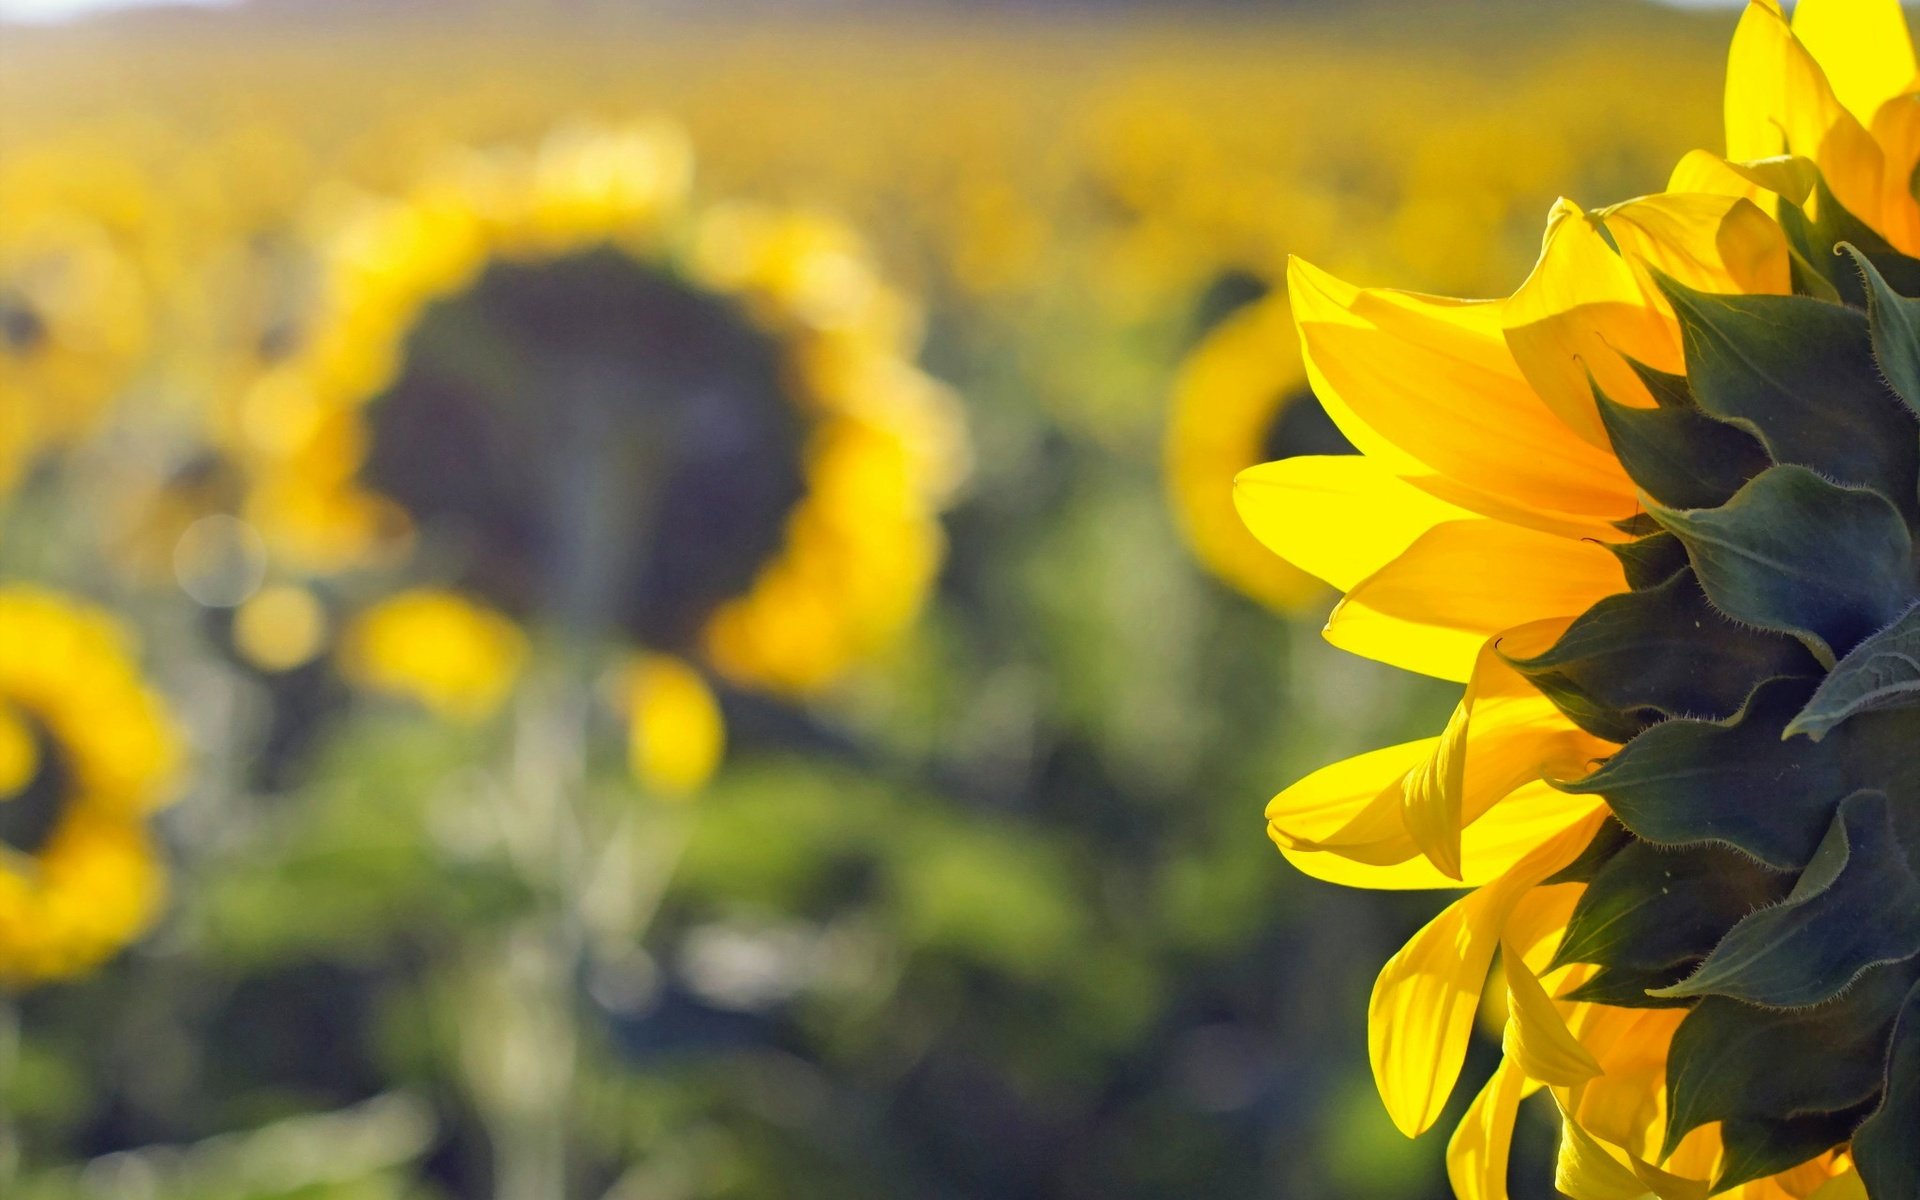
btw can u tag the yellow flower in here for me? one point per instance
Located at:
(87, 752)
(1655, 511)
(449, 653)
(675, 735)
(1242, 399)
(633, 332)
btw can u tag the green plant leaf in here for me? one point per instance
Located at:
(1663, 651)
(1856, 906)
(1651, 908)
(1671, 785)
(1682, 457)
(1894, 322)
(1794, 553)
(1882, 672)
(1651, 560)
(1757, 1147)
(1817, 240)
(1884, 1147)
(1799, 374)
(1732, 1061)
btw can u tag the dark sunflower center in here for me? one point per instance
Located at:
(1762, 673)
(600, 444)
(1300, 426)
(22, 330)
(31, 812)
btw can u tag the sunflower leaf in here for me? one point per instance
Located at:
(1652, 908)
(1651, 560)
(1884, 1147)
(1670, 785)
(1880, 673)
(1856, 906)
(1817, 240)
(1682, 457)
(1757, 1147)
(1894, 322)
(1668, 391)
(1794, 553)
(1662, 651)
(1799, 373)
(1732, 1061)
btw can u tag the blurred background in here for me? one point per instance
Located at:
(641, 601)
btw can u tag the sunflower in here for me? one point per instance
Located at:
(1237, 403)
(73, 298)
(1656, 511)
(729, 387)
(87, 752)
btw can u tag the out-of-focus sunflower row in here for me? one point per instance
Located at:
(643, 582)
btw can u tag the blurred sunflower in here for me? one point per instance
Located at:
(86, 754)
(1238, 402)
(579, 402)
(1656, 510)
(73, 300)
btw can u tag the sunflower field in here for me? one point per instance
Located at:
(617, 601)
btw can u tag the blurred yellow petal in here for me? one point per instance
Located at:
(1338, 517)
(1482, 1143)
(675, 734)
(440, 649)
(19, 756)
(1431, 609)
(1421, 1012)
(1862, 45)
(1428, 386)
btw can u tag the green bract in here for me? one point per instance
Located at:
(1763, 673)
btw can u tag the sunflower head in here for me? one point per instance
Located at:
(86, 754)
(1657, 511)
(556, 385)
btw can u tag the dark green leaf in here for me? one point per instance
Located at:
(1856, 906)
(1669, 391)
(1611, 837)
(1817, 239)
(1650, 907)
(1885, 1146)
(1799, 373)
(1663, 651)
(1651, 560)
(1757, 1147)
(1732, 1061)
(1880, 673)
(1794, 553)
(1681, 457)
(1894, 322)
(1688, 781)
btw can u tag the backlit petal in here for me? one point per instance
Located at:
(1429, 386)
(1431, 609)
(1337, 517)
(1862, 45)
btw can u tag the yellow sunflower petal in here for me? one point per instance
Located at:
(1787, 176)
(1422, 1009)
(1537, 1035)
(1862, 45)
(1502, 734)
(1779, 100)
(1710, 243)
(1576, 314)
(1429, 387)
(1337, 517)
(1431, 609)
(1481, 1144)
